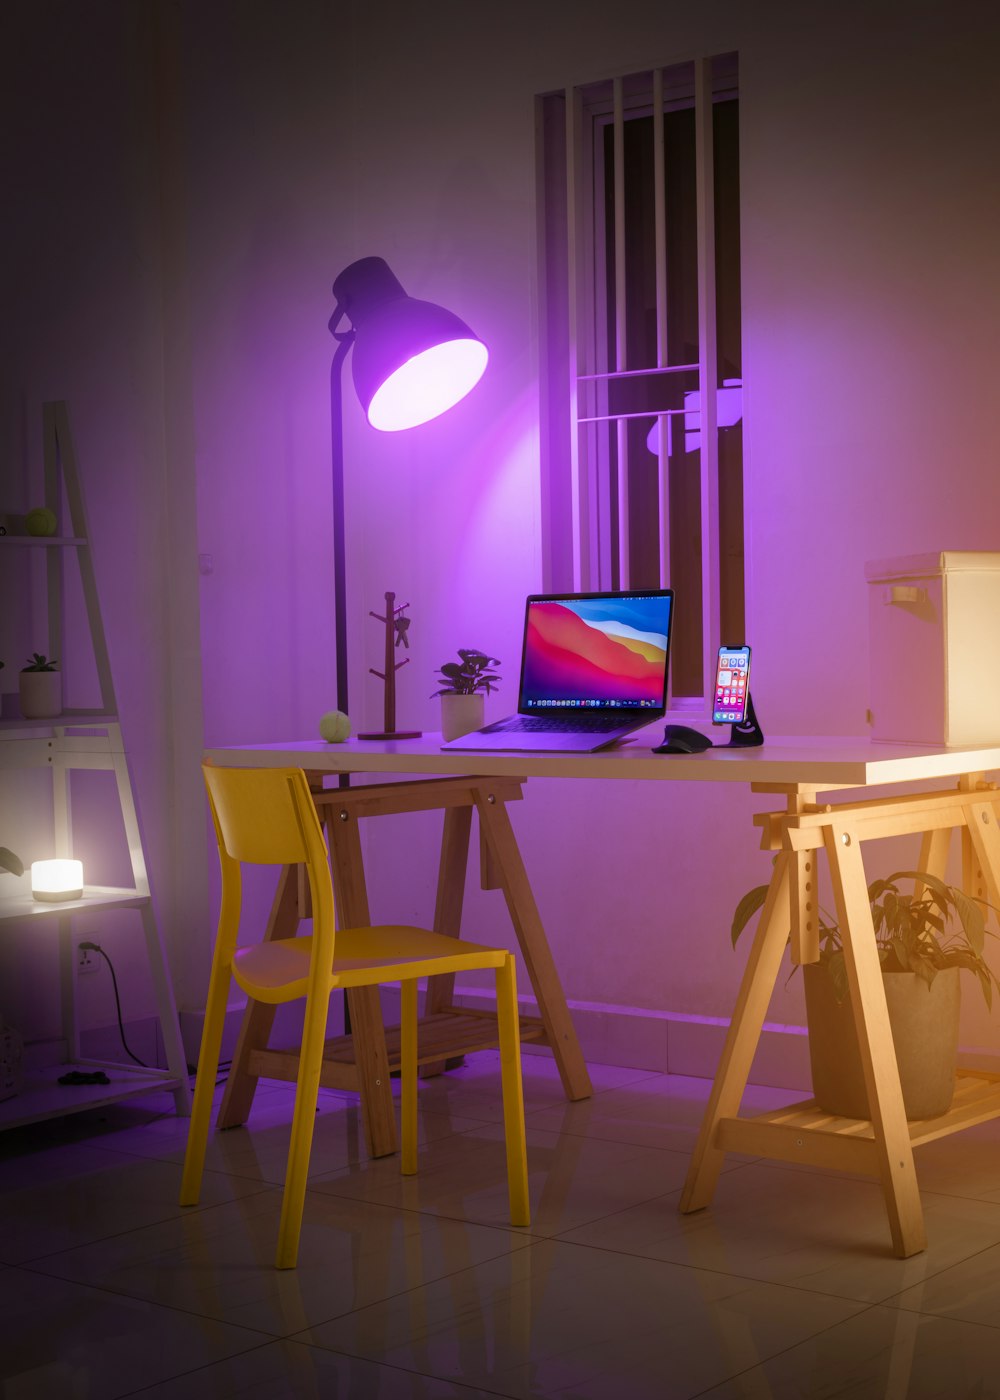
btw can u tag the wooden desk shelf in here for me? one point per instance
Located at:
(803, 1132)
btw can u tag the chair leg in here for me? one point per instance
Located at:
(208, 1069)
(408, 1074)
(513, 1093)
(303, 1122)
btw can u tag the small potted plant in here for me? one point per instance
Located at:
(464, 685)
(40, 686)
(925, 932)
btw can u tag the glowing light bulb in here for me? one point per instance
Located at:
(427, 385)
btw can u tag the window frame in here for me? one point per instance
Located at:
(577, 508)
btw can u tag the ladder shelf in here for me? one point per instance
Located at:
(75, 740)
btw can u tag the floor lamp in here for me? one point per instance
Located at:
(413, 360)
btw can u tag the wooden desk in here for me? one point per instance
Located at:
(795, 771)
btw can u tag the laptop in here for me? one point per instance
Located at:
(593, 668)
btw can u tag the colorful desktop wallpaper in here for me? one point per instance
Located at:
(597, 649)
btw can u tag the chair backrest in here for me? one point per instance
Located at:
(267, 816)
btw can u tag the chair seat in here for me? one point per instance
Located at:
(363, 957)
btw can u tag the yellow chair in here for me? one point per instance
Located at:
(267, 816)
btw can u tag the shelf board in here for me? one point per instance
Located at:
(44, 1097)
(803, 1132)
(69, 719)
(45, 541)
(95, 898)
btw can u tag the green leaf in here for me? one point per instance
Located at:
(972, 920)
(925, 970)
(745, 910)
(837, 969)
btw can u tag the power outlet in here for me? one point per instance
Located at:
(86, 960)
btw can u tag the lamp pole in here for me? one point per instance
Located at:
(345, 340)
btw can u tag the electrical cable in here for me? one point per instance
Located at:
(96, 948)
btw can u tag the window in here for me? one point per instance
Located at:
(640, 274)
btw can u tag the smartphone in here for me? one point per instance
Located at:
(732, 686)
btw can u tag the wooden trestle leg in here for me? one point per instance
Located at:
(255, 1028)
(894, 1151)
(741, 1039)
(559, 1030)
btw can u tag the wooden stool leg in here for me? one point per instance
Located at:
(559, 1028)
(741, 1039)
(255, 1029)
(878, 1055)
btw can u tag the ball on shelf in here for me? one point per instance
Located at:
(334, 727)
(41, 521)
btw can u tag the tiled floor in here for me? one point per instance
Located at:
(418, 1289)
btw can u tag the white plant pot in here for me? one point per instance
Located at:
(461, 714)
(40, 693)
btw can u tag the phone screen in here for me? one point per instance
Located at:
(732, 686)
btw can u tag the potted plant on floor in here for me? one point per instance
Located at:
(40, 688)
(465, 684)
(926, 932)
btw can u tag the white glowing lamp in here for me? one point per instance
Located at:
(55, 880)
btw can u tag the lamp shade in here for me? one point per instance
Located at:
(412, 359)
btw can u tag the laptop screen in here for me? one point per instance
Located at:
(596, 650)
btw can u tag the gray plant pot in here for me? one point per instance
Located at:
(40, 694)
(924, 1024)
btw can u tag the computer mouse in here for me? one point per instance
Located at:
(679, 738)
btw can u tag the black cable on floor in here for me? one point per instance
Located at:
(96, 948)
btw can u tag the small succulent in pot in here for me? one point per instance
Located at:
(471, 673)
(37, 662)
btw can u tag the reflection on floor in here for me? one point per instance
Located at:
(418, 1288)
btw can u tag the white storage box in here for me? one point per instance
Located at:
(934, 640)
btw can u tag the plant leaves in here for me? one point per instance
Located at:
(745, 910)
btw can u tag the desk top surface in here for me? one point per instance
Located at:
(823, 763)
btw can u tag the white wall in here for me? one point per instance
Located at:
(297, 138)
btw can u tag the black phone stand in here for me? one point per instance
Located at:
(749, 734)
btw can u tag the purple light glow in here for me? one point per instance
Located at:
(427, 385)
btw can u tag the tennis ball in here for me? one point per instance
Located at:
(334, 727)
(41, 521)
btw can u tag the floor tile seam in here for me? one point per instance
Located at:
(782, 1351)
(296, 1339)
(518, 1232)
(263, 1338)
(135, 1229)
(891, 1299)
(809, 1292)
(992, 1327)
(197, 1370)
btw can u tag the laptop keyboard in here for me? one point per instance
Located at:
(583, 723)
